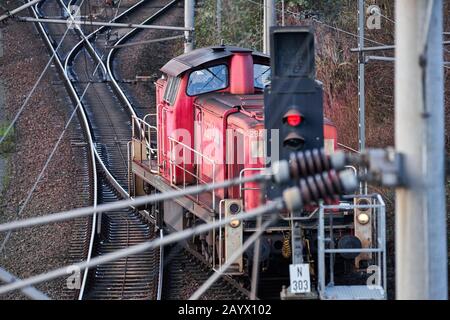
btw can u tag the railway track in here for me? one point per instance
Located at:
(104, 112)
(107, 129)
(185, 270)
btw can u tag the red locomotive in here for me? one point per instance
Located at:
(210, 128)
(210, 113)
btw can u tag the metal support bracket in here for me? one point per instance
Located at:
(297, 243)
(385, 167)
(297, 258)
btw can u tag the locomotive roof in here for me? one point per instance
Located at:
(197, 57)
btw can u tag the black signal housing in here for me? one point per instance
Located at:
(293, 102)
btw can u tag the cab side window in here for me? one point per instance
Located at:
(207, 80)
(173, 83)
(262, 75)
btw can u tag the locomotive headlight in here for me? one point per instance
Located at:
(235, 223)
(235, 209)
(363, 218)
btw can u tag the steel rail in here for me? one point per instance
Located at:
(273, 207)
(161, 268)
(85, 40)
(84, 43)
(70, 56)
(139, 201)
(109, 59)
(253, 238)
(86, 129)
(122, 96)
(109, 177)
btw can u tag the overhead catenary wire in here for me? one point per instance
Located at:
(47, 162)
(298, 15)
(144, 42)
(30, 292)
(273, 207)
(29, 194)
(104, 23)
(11, 13)
(133, 202)
(33, 89)
(251, 240)
(386, 18)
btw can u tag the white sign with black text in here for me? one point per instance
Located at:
(300, 279)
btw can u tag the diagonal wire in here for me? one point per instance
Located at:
(27, 99)
(299, 16)
(5, 240)
(50, 157)
(30, 292)
(387, 18)
(133, 202)
(271, 208)
(254, 237)
(255, 267)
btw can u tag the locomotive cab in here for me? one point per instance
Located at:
(211, 121)
(209, 72)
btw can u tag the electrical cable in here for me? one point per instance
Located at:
(299, 16)
(272, 207)
(28, 97)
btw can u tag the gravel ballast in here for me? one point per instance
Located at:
(35, 250)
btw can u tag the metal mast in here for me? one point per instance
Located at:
(189, 13)
(421, 243)
(269, 21)
(361, 85)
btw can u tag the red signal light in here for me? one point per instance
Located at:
(294, 120)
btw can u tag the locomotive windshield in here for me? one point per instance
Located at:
(208, 80)
(262, 75)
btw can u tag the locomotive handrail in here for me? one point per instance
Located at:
(155, 128)
(241, 174)
(149, 115)
(143, 127)
(174, 165)
(378, 246)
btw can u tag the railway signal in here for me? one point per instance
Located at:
(293, 101)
